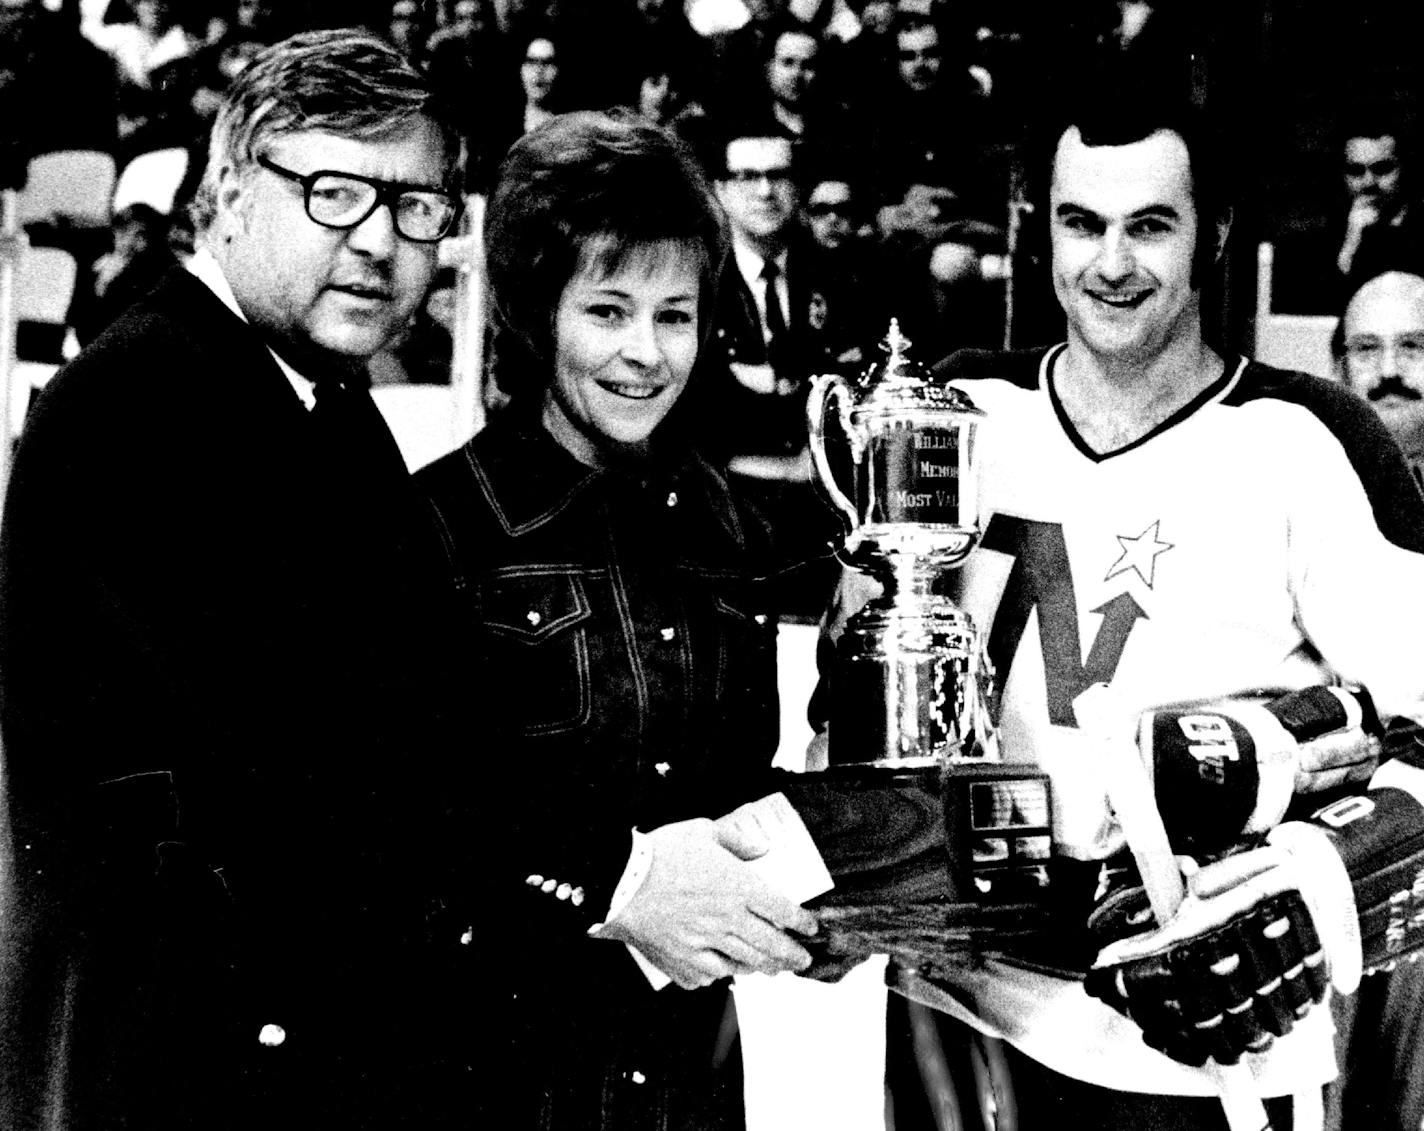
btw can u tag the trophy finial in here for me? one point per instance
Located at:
(895, 343)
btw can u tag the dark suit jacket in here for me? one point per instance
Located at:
(827, 316)
(220, 675)
(1307, 280)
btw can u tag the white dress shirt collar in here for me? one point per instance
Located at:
(202, 264)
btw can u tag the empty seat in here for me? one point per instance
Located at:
(44, 285)
(153, 179)
(1289, 341)
(75, 183)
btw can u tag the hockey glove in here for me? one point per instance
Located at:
(1229, 767)
(1263, 930)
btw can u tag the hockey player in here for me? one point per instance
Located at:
(1172, 524)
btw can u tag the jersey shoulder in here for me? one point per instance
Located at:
(1021, 368)
(1394, 496)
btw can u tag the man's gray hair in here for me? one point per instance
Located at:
(339, 81)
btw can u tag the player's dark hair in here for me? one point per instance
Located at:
(1124, 106)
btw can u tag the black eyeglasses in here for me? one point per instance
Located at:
(756, 176)
(344, 200)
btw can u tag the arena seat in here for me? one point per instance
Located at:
(424, 419)
(152, 178)
(74, 183)
(44, 284)
(1289, 341)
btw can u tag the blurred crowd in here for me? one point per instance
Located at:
(908, 122)
(906, 116)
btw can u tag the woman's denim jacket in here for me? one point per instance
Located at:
(624, 648)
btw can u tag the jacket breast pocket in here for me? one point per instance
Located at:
(747, 659)
(537, 660)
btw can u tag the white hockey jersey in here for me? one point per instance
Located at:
(1263, 536)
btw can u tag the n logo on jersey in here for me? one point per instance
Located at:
(1041, 578)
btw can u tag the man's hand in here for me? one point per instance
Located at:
(701, 914)
(1364, 213)
(1241, 961)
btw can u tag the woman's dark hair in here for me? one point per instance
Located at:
(606, 184)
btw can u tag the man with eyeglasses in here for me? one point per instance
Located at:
(785, 313)
(220, 664)
(1379, 352)
(1378, 348)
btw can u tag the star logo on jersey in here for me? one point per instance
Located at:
(1139, 554)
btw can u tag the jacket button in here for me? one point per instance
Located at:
(271, 1036)
(533, 618)
(760, 618)
(672, 499)
(662, 768)
(669, 634)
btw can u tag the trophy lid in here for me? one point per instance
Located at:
(902, 382)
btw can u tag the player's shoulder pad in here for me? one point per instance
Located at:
(1396, 501)
(1020, 367)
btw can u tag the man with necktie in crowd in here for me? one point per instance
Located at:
(785, 314)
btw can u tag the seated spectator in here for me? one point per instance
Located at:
(405, 30)
(465, 64)
(467, 22)
(1380, 226)
(836, 213)
(784, 315)
(936, 114)
(140, 257)
(153, 38)
(739, 53)
(517, 107)
(664, 97)
(789, 96)
(1379, 352)
(791, 72)
(516, 21)
(660, 29)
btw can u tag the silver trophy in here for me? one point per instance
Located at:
(912, 680)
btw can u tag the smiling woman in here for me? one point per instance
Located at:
(616, 611)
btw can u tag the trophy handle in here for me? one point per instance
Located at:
(831, 387)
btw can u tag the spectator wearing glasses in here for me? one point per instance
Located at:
(221, 736)
(1379, 352)
(836, 213)
(785, 314)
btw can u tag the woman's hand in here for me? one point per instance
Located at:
(701, 913)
